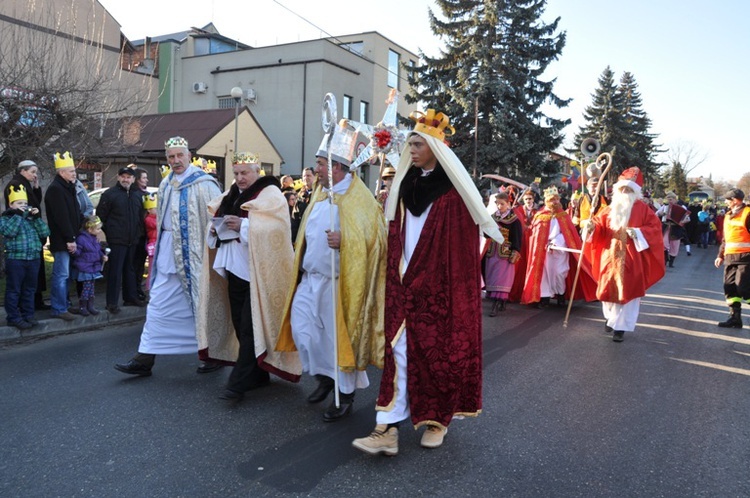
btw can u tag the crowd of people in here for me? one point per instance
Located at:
(324, 278)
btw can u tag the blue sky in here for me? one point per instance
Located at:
(690, 58)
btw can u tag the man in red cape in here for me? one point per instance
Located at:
(551, 270)
(433, 324)
(626, 253)
(525, 212)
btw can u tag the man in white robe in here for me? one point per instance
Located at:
(182, 221)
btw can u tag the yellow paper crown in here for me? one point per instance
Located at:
(91, 222)
(551, 192)
(175, 142)
(246, 158)
(198, 161)
(433, 123)
(18, 194)
(149, 201)
(64, 161)
(210, 166)
(165, 171)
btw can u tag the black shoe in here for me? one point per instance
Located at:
(21, 325)
(112, 309)
(231, 396)
(333, 414)
(133, 368)
(543, 303)
(561, 301)
(618, 336)
(325, 386)
(138, 303)
(208, 367)
(608, 330)
(42, 307)
(32, 321)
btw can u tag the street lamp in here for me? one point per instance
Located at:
(236, 94)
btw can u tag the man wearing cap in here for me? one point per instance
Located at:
(27, 175)
(387, 180)
(358, 241)
(734, 252)
(625, 237)
(64, 219)
(182, 222)
(433, 326)
(121, 211)
(248, 243)
(548, 272)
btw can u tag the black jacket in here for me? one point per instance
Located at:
(121, 212)
(63, 213)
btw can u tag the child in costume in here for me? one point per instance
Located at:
(88, 260)
(23, 229)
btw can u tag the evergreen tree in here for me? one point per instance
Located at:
(640, 149)
(677, 181)
(495, 54)
(616, 118)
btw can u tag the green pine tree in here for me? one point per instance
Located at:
(491, 69)
(639, 148)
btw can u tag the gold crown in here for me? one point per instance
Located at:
(197, 161)
(433, 123)
(175, 142)
(551, 192)
(165, 171)
(149, 201)
(64, 161)
(18, 194)
(246, 158)
(91, 222)
(210, 166)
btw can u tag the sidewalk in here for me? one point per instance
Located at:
(49, 326)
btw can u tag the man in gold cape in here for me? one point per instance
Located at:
(359, 242)
(257, 271)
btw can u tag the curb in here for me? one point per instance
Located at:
(49, 327)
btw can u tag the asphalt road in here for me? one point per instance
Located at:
(567, 412)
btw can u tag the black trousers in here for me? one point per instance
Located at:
(246, 373)
(120, 274)
(736, 282)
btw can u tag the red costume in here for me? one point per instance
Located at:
(520, 278)
(622, 272)
(537, 254)
(438, 299)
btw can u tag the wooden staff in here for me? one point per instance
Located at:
(606, 157)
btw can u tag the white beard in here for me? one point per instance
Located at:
(620, 209)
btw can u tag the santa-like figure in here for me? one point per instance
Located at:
(625, 250)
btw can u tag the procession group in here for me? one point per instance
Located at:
(395, 281)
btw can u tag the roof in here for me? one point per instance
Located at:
(148, 133)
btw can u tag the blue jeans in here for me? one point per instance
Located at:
(20, 286)
(58, 295)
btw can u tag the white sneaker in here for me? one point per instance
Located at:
(381, 440)
(433, 436)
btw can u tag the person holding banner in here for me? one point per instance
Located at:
(358, 239)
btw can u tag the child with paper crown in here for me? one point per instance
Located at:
(149, 204)
(23, 229)
(89, 258)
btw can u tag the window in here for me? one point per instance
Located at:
(267, 168)
(364, 111)
(226, 103)
(355, 47)
(347, 110)
(393, 63)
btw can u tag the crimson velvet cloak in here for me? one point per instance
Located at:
(532, 292)
(438, 302)
(622, 272)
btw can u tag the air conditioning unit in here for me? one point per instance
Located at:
(250, 95)
(199, 87)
